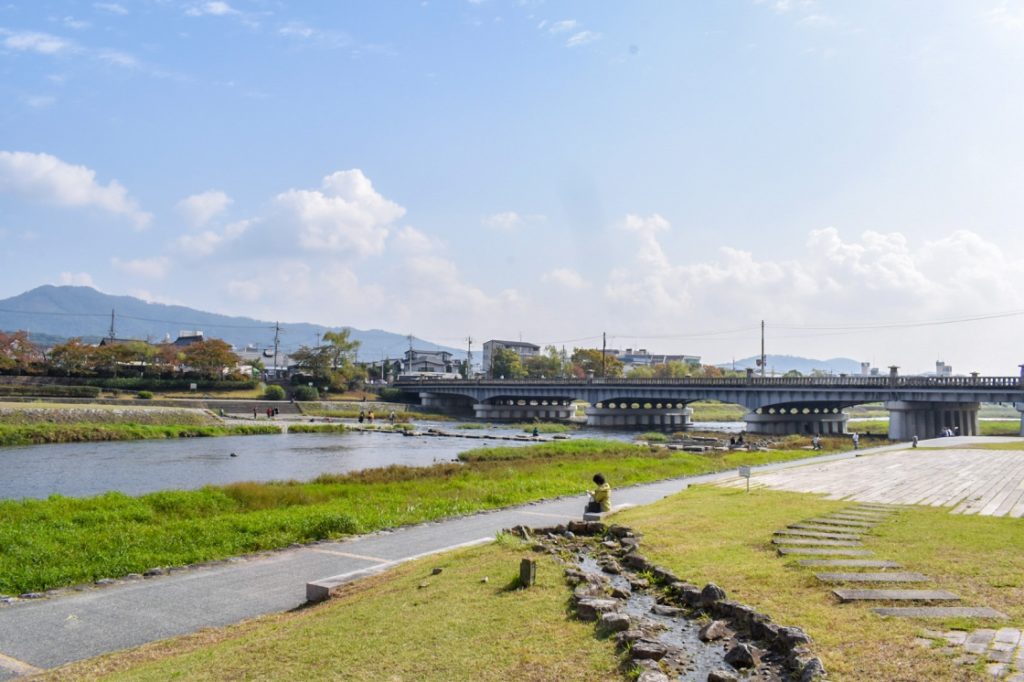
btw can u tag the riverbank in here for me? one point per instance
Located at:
(65, 541)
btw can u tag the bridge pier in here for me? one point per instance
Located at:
(646, 414)
(927, 420)
(525, 410)
(1020, 408)
(445, 404)
(804, 421)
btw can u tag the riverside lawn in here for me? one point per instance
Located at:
(457, 627)
(62, 541)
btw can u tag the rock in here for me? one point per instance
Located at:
(569, 534)
(629, 636)
(436, 571)
(790, 638)
(105, 581)
(645, 649)
(610, 566)
(622, 592)
(690, 594)
(587, 527)
(663, 575)
(610, 544)
(133, 576)
(614, 622)
(153, 572)
(711, 594)
(666, 610)
(813, 670)
(592, 608)
(617, 531)
(422, 585)
(629, 544)
(639, 583)
(636, 562)
(722, 676)
(716, 629)
(31, 595)
(743, 656)
(652, 676)
(762, 628)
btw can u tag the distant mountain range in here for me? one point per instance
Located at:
(52, 314)
(781, 364)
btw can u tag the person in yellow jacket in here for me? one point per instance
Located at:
(602, 496)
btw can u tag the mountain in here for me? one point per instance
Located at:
(780, 364)
(66, 311)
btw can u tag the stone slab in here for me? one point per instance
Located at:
(860, 516)
(825, 551)
(851, 563)
(854, 520)
(840, 522)
(816, 543)
(816, 534)
(886, 577)
(894, 595)
(827, 529)
(940, 612)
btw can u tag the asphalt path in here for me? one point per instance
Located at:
(44, 633)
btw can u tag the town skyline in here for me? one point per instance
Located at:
(542, 171)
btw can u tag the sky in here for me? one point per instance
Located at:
(668, 173)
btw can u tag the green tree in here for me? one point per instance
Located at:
(545, 365)
(640, 372)
(673, 369)
(340, 348)
(210, 357)
(793, 373)
(505, 363)
(587, 360)
(72, 356)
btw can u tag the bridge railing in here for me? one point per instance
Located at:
(878, 382)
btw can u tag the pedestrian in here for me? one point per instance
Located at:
(856, 440)
(732, 441)
(369, 416)
(600, 497)
(816, 442)
(535, 432)
(362, 416)
(392, 417)
(254, 413)
(914, 440)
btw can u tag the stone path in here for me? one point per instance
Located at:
(1003, 649)
(984, 482)
(823, 543)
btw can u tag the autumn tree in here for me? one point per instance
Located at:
(17, 353)
(72, 356)
(210, 357)
(589, 360)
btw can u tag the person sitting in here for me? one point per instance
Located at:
(601, 497)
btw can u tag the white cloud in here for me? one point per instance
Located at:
(506, 221)
(78, 279)
(563, 26)
(201, 208)
(152, 268)
(564, 277)
(111, 7)
(214, 8)
(582, 38)
(817, 21)
(117, 58)
(1006, 17)
(76, 24)
(411, 240)
(40, 101)
(205, 243)
(347, 216)
(32, 41)
(52, 180)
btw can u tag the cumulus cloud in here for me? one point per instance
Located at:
(347, 215)
(78, 279)
(564, 277)
(215, 9)
(151, 268)
(33, 41)
(111, 7)
(208, 241)
(51, 180)
(201, 208)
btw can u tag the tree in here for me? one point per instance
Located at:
(210, 357)
(340, 348)
(587, 360)
(673, 369)
(793, 373)
(17, 353)
(505, 363)
(72, 356)
(545, 365)
(641, 372)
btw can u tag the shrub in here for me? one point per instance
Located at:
(145, 395)
(306, 393)
(273, 392)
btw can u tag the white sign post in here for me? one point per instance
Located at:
(745, 473)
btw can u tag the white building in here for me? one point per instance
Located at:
(641, 358)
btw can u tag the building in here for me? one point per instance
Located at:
(524, 350)
(942, 369)
(187, 338)
(435, 361)
(639, 357)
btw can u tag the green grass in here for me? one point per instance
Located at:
(714, 411)
(317, 428)
(57, 413)
(1008, 427)
(653, 437)
(472, 426)
(401, 414)
(1017, 445)
(716, 535)
(543, 427)
(388, 627)
(63, 541)
(39, 434)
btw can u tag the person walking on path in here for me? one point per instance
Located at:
(600, 497)
(369, 416)
(362, 416)
(856, 440)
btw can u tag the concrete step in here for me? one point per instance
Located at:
(851, 563)
(884, 577)
(851, 518)
(894, 595)
(825, 551)
(827, 529)
(940, 612)
(816, 543)
(816, 534)
(841, 522)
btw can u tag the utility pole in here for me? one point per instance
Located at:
(318, 339)
(112, 334)
(412, 353)
(763, 362)
(469, 355)
(277, 344)
(382, 365)
(604, 347)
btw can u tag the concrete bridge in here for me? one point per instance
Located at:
(918, 406)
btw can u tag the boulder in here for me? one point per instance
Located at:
(663, 575)
(622, 592)
(592, 608)
(791, 637)
(722, 676)
(690, 594)
(652, 676)
(627, 637)
(710, 594)
(716, 629)
(635, 561)
(743, 656)
(666, 610)
(813, 670)
(646, 649)
(614, 622)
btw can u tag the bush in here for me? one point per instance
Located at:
(145, 395)
(305, 393)
(397, 395)
(273, 392)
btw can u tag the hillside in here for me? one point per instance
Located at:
(52, 313)
(784, 363)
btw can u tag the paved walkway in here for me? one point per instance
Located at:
(40, 634)
(984, 482)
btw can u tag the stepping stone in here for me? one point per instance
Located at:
(872, 577)
(825, 551)
(856, 519)
(864, 515)
(817, 543)
(851, 563)
(817, 534)
(894, 595)
(940, 612)
(842, 522)
(827, 529)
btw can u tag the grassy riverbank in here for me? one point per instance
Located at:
(1001, 427)
(41, 434)
(62, 541)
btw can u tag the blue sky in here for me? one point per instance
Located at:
(668, 172)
